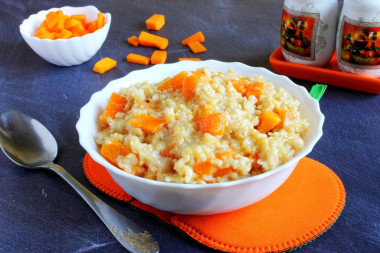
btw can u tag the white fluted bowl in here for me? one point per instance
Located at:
(66, 52)
(192, 198)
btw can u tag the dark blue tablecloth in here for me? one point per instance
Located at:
(41, 213)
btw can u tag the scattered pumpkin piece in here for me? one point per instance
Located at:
(174, 82)
(268, 121)
(147, 123)
(150, 40)
(196, 47)
(116, 104)
(104, 65)
(111, 149)
(203, 168)
(213, 124)
(158, 57)
(195, 37)
(155, 22)
(189, 59)
(139, 59)
(223, 171)
(134, 41)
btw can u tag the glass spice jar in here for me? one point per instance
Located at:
(308, 31)
(358, 38)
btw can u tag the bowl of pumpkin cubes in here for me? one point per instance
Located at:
(200, 137)
(66, 36)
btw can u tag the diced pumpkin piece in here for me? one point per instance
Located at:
(213, 124)
(41, 31)
(268, 121)
(195, 37)
(223, 171)
(151, 40)
(111, 149)
(196, 47)
(133, 41)
(138, 59)
(80, 17)
(71, 22)
(116, 104)
(59, 26)
(59, 13)
(78, 30)
(174, 83)
(155, 22)
(104, 65)
(64, 34)
(188, 86)
(147, 123)
(255, 89)
(92, 26)
(158, 57)
(100, 20)
(203, 168)
(189, 59)
(52, 19)
(240, 85)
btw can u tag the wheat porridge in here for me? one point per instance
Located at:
(201, 127)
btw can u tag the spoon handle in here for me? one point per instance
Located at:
(133, 237)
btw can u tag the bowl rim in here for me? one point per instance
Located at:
(95, 155)
(22, 28)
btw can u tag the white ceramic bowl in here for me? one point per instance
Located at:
(66, 52)
(198, 199)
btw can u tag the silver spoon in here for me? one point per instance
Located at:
(28, 143)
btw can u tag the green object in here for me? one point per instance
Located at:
(317, 91)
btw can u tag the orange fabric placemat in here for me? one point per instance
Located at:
(304, 207)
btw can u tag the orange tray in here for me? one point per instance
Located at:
(329, 74)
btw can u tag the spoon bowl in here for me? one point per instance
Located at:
(28, 143)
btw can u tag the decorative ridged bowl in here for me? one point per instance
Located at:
(66, 52)
(191, 198)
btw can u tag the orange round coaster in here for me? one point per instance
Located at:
(303, 208)
(300, 210)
